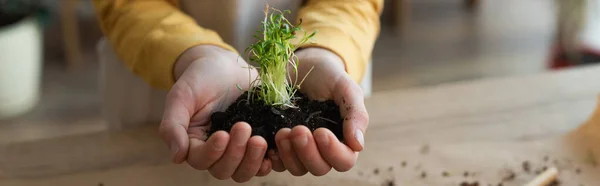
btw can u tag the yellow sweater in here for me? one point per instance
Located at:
(149, 35)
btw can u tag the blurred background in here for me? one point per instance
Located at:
(422, 43)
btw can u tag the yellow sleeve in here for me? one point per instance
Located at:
(348, 28)
(149, 36)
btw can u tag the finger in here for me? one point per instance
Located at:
(338, 155)
(265, 168)
(175, 121)
(349, 96)
(229, 162)
(286, 153)
(276, 161)
(306, 149)
(204, 154)
(253, 159)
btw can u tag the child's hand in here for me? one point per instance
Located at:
(299, 151)
(206, 82)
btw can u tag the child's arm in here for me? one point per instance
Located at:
(348, 28)
(149, 36)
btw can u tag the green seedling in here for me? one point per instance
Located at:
(274, 53)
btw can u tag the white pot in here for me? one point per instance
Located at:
(20, 67)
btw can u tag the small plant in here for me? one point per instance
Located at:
(273, 101)
(273, 53)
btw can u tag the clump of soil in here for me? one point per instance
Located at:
(510, 176)
(267, 120)
(464, 183)
(445, 174)
(526, 166)
(389, 183)
(554, 183)
(376, 171)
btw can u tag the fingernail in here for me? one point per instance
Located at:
(359, 136)
(285, 145)
(256, 152)
(301, 140)
(174, 148)
(322, 139)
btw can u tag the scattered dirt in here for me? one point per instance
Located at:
(390, 183)
(554, 183)
(424, 149)
(100, 184)
(445, 174)
(510, 176)
(267, 120)
(464, 183)
(526, 166)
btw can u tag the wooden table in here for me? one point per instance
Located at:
(487, 128)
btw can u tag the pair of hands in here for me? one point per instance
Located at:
(206, 82)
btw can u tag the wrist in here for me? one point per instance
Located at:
(193, 54)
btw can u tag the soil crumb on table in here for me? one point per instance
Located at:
(464, 183)
(526, 166)
(376, 171)
(389, 183)
(509, 176)
(423, 175)
(445, 174)
(403, 164)
(425, 149)
(554, 183)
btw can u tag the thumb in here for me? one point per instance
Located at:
(350, 98)
(175, 122)
(175, 136)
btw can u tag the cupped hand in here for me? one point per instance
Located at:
(207, 79)
(300, 150)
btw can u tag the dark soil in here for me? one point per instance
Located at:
(526, 166)
(445, 174)
(464, 183)
(267, 120)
